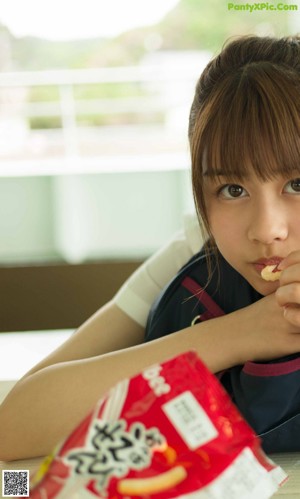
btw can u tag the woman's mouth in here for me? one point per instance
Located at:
(260, 264)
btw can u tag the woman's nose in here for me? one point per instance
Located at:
(268, 223)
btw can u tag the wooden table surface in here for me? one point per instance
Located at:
(290, 462)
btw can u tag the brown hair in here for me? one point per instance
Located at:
(246, 114)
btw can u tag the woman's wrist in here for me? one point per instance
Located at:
(219, 343)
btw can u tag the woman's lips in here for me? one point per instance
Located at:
(262, 263)
(258, 267)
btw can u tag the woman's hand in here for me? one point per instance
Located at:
(262, 331)
(288, 293)
(272, 325)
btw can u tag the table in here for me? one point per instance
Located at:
(290, 462)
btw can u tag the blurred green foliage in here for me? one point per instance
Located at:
(108, 90)
(45, 122)
(91, 92)
(203, 24)
(43, 94)
(191, 25)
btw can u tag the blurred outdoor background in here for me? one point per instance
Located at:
(94, 155)
(94, 104)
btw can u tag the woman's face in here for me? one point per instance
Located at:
(254, 223)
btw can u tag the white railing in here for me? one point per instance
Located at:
(167, 90)
(58, 211)
(101, 75)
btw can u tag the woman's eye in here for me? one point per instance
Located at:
(293, 186)
(230, 191)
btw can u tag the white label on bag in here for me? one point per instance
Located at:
(245, 478)
(190, 420)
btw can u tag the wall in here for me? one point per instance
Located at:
(80, 217)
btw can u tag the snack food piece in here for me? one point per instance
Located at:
(170, 432)
(159, 483)
(269, 273)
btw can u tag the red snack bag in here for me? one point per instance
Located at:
(171, 431)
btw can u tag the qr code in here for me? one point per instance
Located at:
(15, 483)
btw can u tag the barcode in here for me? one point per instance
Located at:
(190, 420)
(15, 483)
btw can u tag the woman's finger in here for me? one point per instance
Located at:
(291, 259)
(292, 314)
(288, 294)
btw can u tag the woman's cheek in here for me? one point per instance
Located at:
(225, 226)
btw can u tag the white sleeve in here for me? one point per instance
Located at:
(137, 294)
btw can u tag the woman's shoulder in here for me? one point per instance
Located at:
(138, 293)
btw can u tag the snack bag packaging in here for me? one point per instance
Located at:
(171, 431)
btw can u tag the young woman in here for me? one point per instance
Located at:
(245, 147)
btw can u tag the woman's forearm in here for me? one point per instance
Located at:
(48, 404)
(108, 330)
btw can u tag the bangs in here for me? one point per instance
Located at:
(251, 123)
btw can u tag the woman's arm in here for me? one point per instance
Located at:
(46, 405)
(107, 330)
